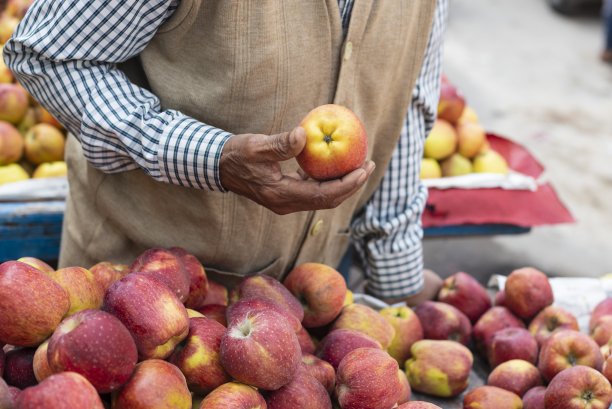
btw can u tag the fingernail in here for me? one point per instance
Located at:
(362, 178)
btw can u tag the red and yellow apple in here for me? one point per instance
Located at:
(471, 138)
(233, 395)
(268, 288)
(602, 330)
(50, 170)
(81, 286)
(11, 144)
(527, 292)
(516, 376)
(42, 369)
(451, 104)
(404, 388)
(408, 330)
(365, 319)
(441, 141)
(334, 347)
(44, 143)
(566, 348)
(241, 309)
(443, 321)
(165, 266)
(602, 308)
(456, 165)
(66, 390)
(491, 397)
(13, 103)
(37, 264)
(577, 388)
(465, 293)
(106, 273)
(550, 319)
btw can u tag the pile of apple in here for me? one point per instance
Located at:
(457, 144)
(31, 140)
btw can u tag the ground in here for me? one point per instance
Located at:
(535, 77)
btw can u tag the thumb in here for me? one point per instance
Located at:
(284, 146)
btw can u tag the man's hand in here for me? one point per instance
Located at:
(250, 167)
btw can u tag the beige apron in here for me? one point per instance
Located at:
(252, 66)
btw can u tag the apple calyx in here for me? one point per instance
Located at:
(587, 396)
(327, 139)
(552, 324)
(571, 358)
(242, 329)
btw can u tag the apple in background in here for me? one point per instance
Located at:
(578, 387)
(81, 286)
(489, 161)
(45, 117)
(106, 273)
(418, 405)
(491, 397)
(516, 376)
(304, 392)
(550, 319)
(469, 115)
(496, 319)
(336, 142)
(165, 266)
(321, 289)
(321, 370)
(6, 401)
(439, 368)
(37, 264)
(44, 143)
(430, 169)
(216, 312)
(334, 347)
(500, 299)
(217, 294)
(365, 319)
(602, 330)
(471, 137)
(198, 356)
(154, 384)
(6, 75)
(18, 306)
(198, 282)
(441, 141)
(456, 165)
(465, 293)
(452, 103)
(261, 349)
(367, 378)
(50, 170)
(13, 103)
(601, 309)
(268, 288)
(234, 395)
(241, 309)
(150, 311)
(408, 330)
(404, 388)
(306, 343)
(18, 368)
(512, 343)
(534, 398)
(607, 367)
(11, 144)
(106, 363)
(42, 369)
(348, 299)
(443, 321)
(527, 292)
(566, 348)
(66, 390)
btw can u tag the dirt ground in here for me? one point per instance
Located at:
(534, 76)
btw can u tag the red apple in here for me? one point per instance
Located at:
(321, 289)
(408, 330)
(151, 312)
(235, 396)
(601, 309)
(66, 390)
(418, 405)
(241, 309)
(602, 330)
(607, 367)
(94, 344)
(364, 319)
(261, 349)
(304, 392)
(491, 397)
(216, 312)
(165, 266)
(367, 378)
(11, 144)
(500, 299)
(198, 356)
(516, 376)
(81, 286)
(37, 264)
(1, 361)
(336, 142)
(465, 293)
(451, 104)
(566, 348)
(19, 369)
(321, 370)
(42, 369)
(13, 394)
(443, 321)
(217, 294)
(268, 288)
(405, 387)
(496, 319)
(334, 347)
(512, 343)
(154, 384)
(27, 319)
(550, 319)
(198, 287)
(106, 273)
(577, 388)
(534, 398)
(13, 103)
(306, 343)
(6, 401)
(527, 292)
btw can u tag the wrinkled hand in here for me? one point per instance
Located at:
(250, 166)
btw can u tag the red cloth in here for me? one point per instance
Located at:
(453, 207)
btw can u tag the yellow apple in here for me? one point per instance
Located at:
(430, 169)
(490, 162)
(441, 141)
(50, 170)
(44, 143)
(456, 165)
(12, 173)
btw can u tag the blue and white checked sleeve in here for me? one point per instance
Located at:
(388, 233)
(65, 54)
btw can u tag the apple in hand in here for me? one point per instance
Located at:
(443, 321)
(363, 318)
(268, 288)
(106, 363)
(496, 319)
(491, 397)
(334, 347)
(516, 376)
(577, 388)
(304, 392)
(66, 390)
(261, 349)
(321, 289)
(367, 378)
(336, 142)
(566, 348)
(233, 395)
(19, 369)
(18, 306)
(154, 384)
(465, 293)
(151, 312)
(165, 266)
(408, 330)
(534, 398)
(321, 370)
(527, 292)
(512, 343)
(550, 319)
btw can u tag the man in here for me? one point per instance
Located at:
(188, 146)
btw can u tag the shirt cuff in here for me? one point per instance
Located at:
(190, 152)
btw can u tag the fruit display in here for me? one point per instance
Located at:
(31, 139)
(457, 144)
